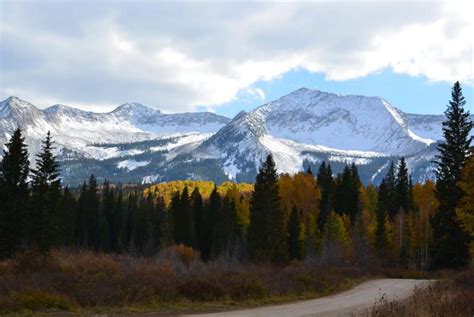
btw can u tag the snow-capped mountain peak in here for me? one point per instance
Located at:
(14, 106)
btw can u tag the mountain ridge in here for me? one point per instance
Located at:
(300, 129)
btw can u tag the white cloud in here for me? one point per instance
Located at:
(179, 55)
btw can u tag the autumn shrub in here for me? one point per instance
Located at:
(182, 253)
(91, 278)
(449, 297)
(201, 289)
(245, 287)
(148, 281)
(40, 300)
(68, 279)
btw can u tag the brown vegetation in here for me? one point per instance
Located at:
(452, 297)
(78, 280)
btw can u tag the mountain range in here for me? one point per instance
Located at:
(136, 143)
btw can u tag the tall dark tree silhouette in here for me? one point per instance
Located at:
(14, 169)
(326, 185)
(45, 198)
(267, 233)
(295, 244)
(450, 243)
(403, 191)
(381, 234)
(213, 209)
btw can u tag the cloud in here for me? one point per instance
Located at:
(177, 56)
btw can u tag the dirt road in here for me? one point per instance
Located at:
(347, 303)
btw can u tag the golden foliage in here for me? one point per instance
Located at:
(167, 189)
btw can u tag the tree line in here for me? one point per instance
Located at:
(281, 218)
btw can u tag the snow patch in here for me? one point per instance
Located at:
(130, 165)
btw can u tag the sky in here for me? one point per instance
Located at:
(225, 56)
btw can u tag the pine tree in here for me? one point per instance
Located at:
(267, 233)
(390, 202)
(157, 219)
(381, 235)
(403, 187)
(45, 198)
(81, 228)
(225, 228)
(120, 223)
(132, 209)
(214, 207)
(347, 193)
(326, 184)
(184, 220)
(199, 214)
(295, 245)
(450, 243)
(68, 217)
(14, 169)
(107, 229)
(92, 214)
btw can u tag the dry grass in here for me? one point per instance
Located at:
(173, 280)
(452, 297)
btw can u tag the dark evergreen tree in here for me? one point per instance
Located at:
(81, 230)
(141, 227)
(93, 219)
(389, 202)
(267, 239)
(295, 244)
(225, 229)
(14, 169)
(214, 208)
(381, 234)
(326, 185)
(157, 218)
(120, 223)
(184, 221)
(168, 226)
(132, 207)
(45, 198)
(450, 243)
(68, 218)
(108, 234)
(403, 199)
(199, 214)
(347, 192)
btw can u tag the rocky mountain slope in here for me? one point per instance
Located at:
(301, 129)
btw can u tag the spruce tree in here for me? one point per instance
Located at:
(141, 227)
(295, 245)
(267, 233)
(403, 187)
(184, 220)
(214, 207)
(450, 243)
(92, 214)
(68, 218)
(157, 219)
(120, 223)
(199, 214)
(45, 198)
(326, 185)
(347, 192)
(389, 202)
(107, 228)
(381, 234)
(14, 169)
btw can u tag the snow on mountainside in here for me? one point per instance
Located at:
(302, 129)
(76, 130)
(306, 123)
